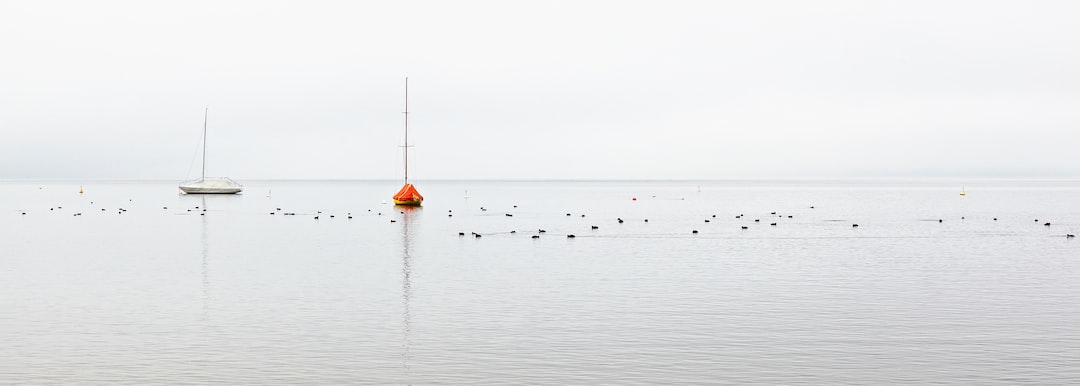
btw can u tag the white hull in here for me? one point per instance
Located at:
(211, 186)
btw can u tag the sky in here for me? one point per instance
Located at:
(540, 89)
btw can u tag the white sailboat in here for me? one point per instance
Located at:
(212, 185)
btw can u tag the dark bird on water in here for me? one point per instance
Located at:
(392, 220)
(461, 233)
(854, 225)
(757, 220)
(570, 236)
(694, 232)
(940, 220)
(541, 230)
(1047, 224)
(1069, 236)
(568, 215)
(509, 215)
(536, 236)
(706, 220)
(595, 227)
(745, 227)
(621, 221)
(772, 213)
(773, 224)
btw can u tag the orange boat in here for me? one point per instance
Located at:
(407, 196)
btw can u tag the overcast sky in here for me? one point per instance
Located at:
(541, 89)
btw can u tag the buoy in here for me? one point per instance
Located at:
(634, 199)
(695, 231)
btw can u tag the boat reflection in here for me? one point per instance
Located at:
(410, 214)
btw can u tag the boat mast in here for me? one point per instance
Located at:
(205, 113)
(406, 130)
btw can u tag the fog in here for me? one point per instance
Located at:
(540, 90)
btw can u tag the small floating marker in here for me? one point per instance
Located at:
(102, 209)
(80, 189)
(164, 207)
(633, 199)
(963, 218)
(995, 218)
(582, 216)
(515, 206)
(202, 214)
(24, 213)
(646, 220)
(940, 220)
(50, 208)
(714, 216)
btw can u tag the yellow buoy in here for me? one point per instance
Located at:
(962, 192)
(80, 189)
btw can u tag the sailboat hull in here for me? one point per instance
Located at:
(408, 196)
(211, 186)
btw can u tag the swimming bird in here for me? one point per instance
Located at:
(509, 215)
(790, 216)
(854, 225)
(1047, 224)
(164, 207)
(513, 232)
(568, 215)
(541, 230)
(646, 220)
(694, 232)
(476, 234)
(745, 227)
(582, 216)
(570, 236)
(995, 218)
(271, 212)
(757, 220)
(714, 216)
(350, 217)
(940, 220)
(706, 220)
(620, 220)
(461, 233)
(773, 224)
(393, 221)
(595, 227)
(1069, 236)
(316, 217)
(331, 216)
(772, 213)
(536, 236)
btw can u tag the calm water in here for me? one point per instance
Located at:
(238, 295)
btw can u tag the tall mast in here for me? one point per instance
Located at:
(205, 113)
(406, 130)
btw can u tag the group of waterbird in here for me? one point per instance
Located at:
(202, 212)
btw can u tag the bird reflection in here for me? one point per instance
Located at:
(409, 214)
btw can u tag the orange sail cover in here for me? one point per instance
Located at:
(408, 196)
